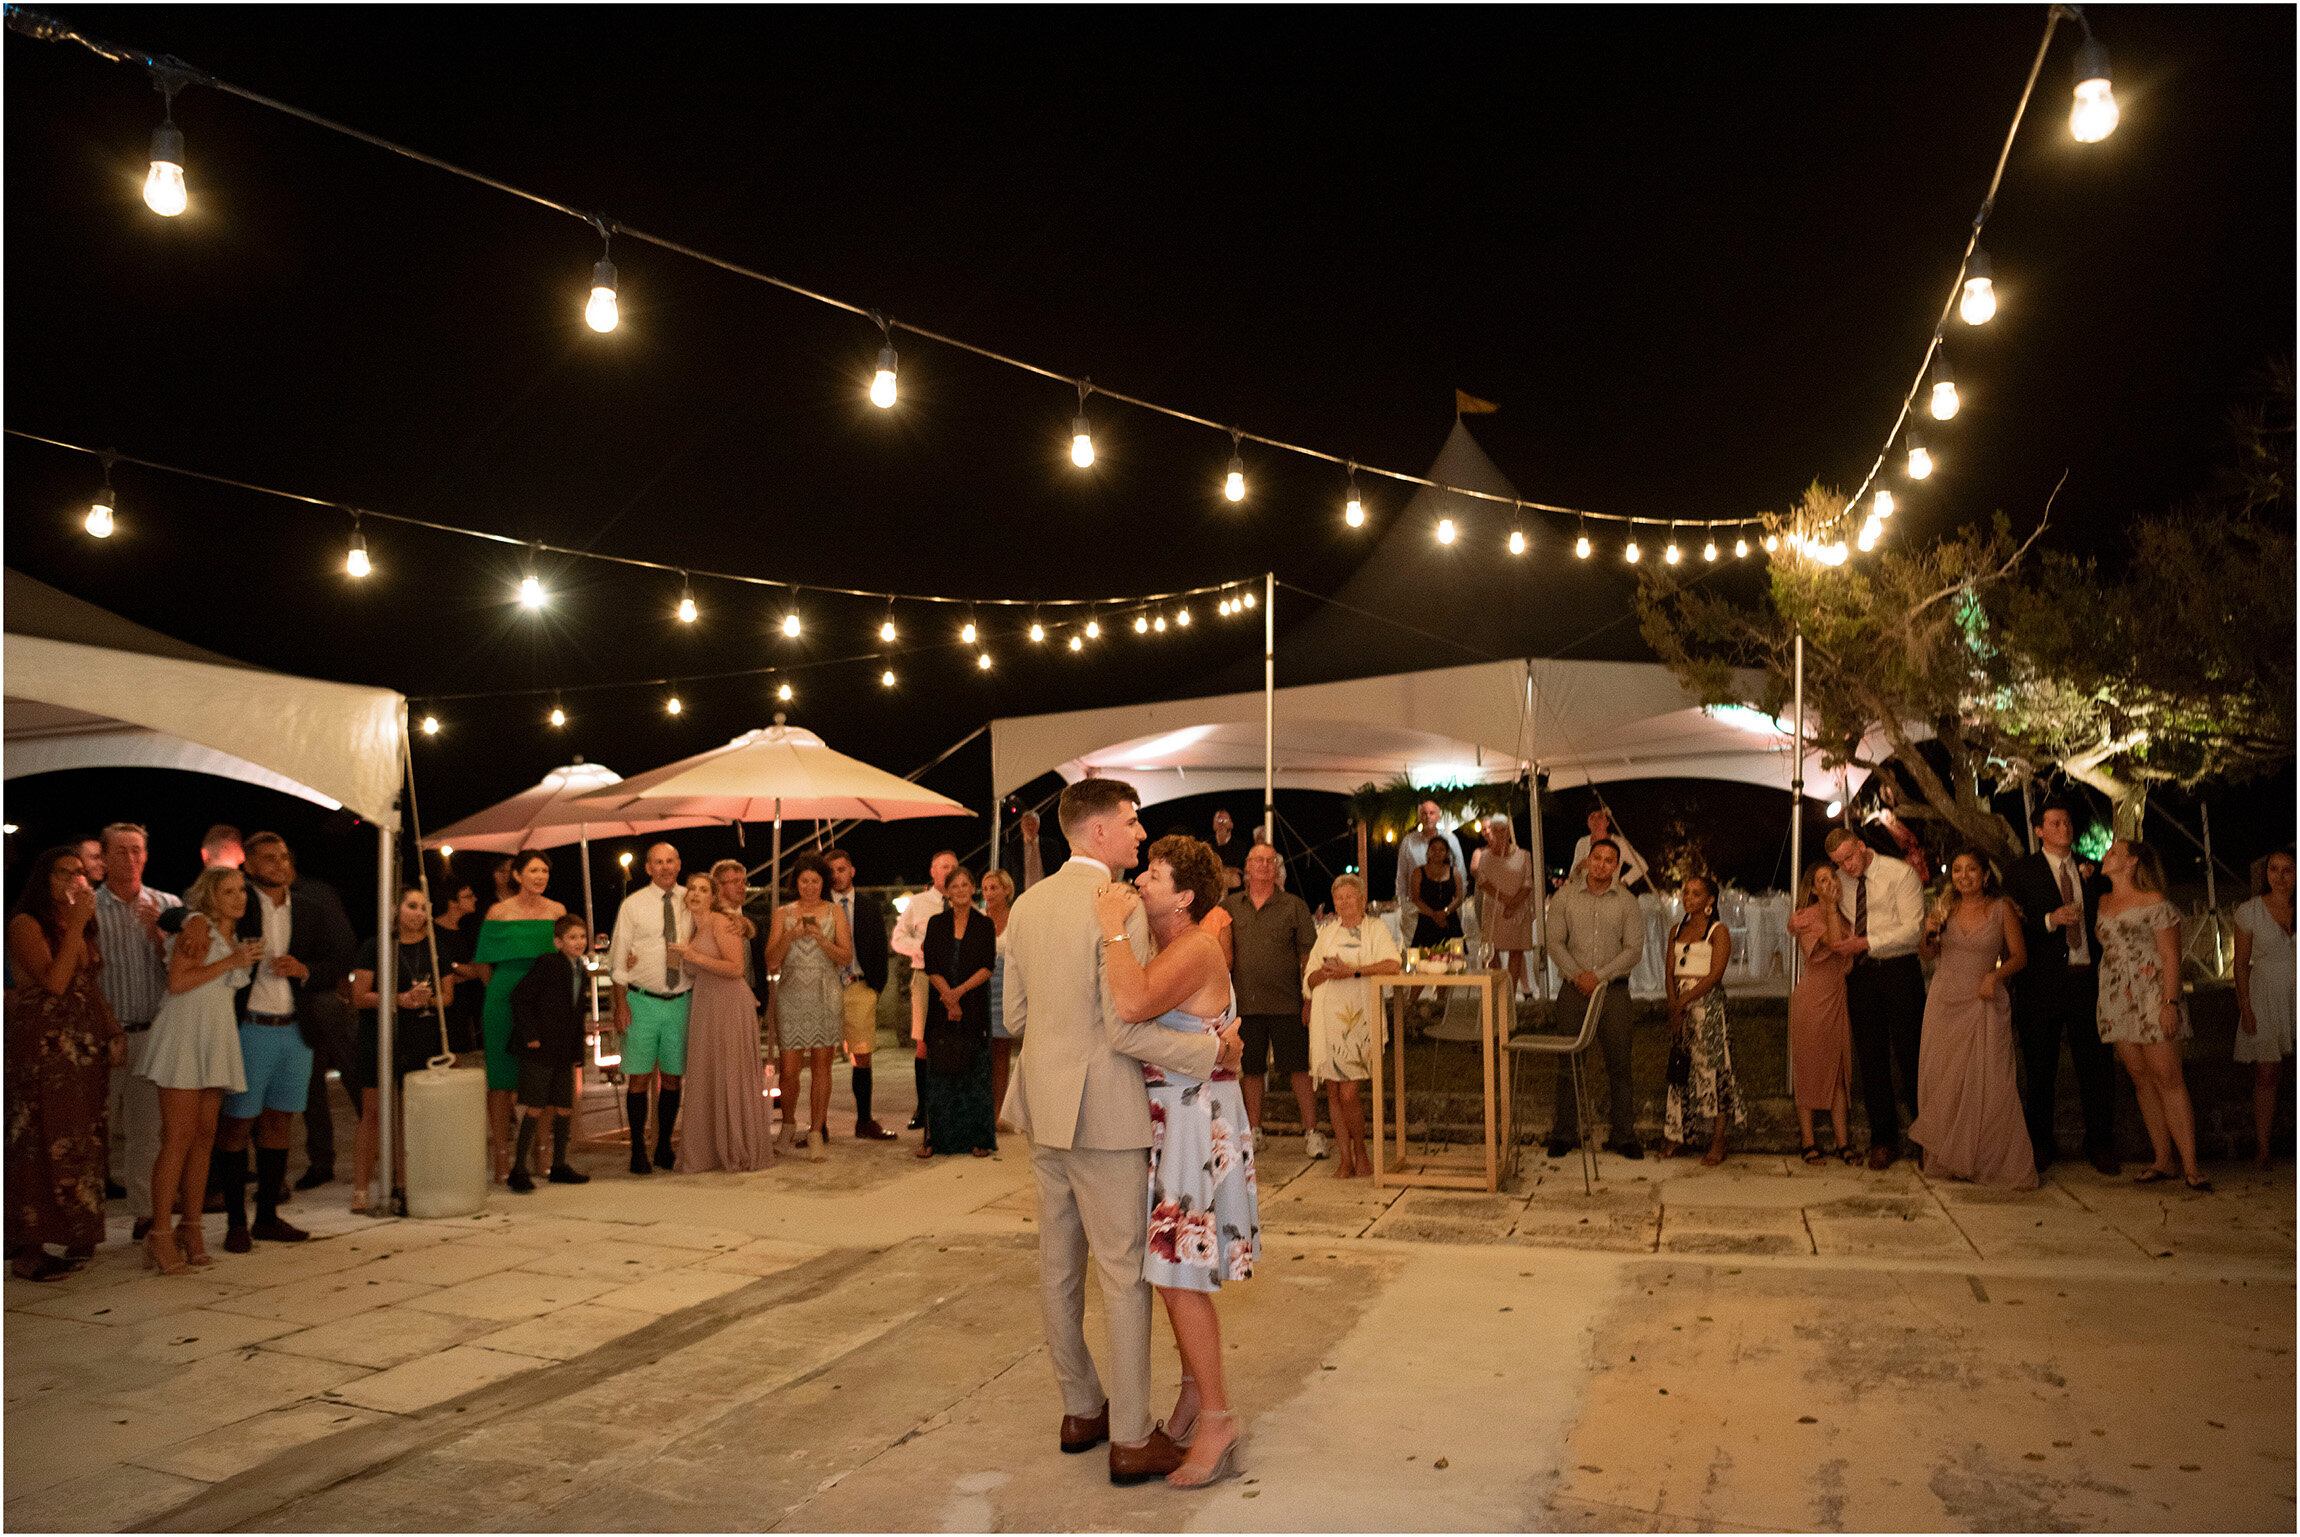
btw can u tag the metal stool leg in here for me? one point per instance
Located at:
(1581, 1120)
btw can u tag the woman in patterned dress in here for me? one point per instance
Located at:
(1205, 1223)
(1345, 1011)
(2264, 990)
(62, 1046)
(2141, 1011)
(1700, 949)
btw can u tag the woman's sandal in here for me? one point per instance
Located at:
(2197, 1182)
(1189, 1431)
(161, 1253)
(2152, 1176)
(1812, 1154)
(1224, 1466)
(194, 1244)
(1847, 1157)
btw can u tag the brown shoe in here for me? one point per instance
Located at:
(1880, 1157)
(1084, 1432)
(872, 1131)
(2107, 1164)
(1154, 1458)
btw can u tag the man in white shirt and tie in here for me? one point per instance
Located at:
(2058, 992)
(1884, 907)
(651, 997)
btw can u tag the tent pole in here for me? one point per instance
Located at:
(1269, 708)
(1540, 852)
(1797, 808)
(387, 994)
(775, 868)
(583, 837)
(997, 807)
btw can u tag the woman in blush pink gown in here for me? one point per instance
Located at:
(726, 1126)
(1820, 1031)
(1968, 1098)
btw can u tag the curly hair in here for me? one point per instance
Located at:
(1196, 870)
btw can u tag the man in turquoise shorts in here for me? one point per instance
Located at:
(651, 1002)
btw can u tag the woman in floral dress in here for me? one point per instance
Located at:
(2141, 1012)
(1699, 951)
(1205, 1224)
(1345, 1011)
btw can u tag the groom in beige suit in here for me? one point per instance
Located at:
(1078, 1095)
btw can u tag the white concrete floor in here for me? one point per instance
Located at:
(855, 1345)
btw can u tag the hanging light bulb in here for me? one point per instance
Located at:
(602, 314)
(164, 192)
(1740, 548)
(672, 704)
(1141, 624)
(1081, 435)
(686, 608)
(1249, 600)
(1709, 550)
(1581, 543)
(558, 716)
(1159, 624)
(966, 633)
(886, 630)
(99, 522)
(2094, 115)
(1182, 618)
(355, 560)
(1234, 483)
(1354, 507)
(983, 661)
(1944, 385)
(1445, 531)
(882, 381)
(1517, 541)
(1672, 554)
(1076, 644)
(791, 624)
(431, 725)
(1869, 533)
(447, 851)
(784, 693)
(886, 679)
(1037, 630)
(1980, 298)
(531, 591)
(1920, 457)
(1884, 504)
(1093, 629)
(1223, 608)
(1772, 543)
(1631, 554)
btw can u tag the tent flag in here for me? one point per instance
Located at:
(1465, 404)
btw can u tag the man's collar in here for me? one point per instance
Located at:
(1259, 901)
(659, 886)
(1089, 859)
(107, 886)
(1596, 891)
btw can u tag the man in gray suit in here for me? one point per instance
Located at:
(1078, 1095)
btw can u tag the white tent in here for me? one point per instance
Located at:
(1578, 722)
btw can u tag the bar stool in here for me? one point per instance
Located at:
(1573, 1049)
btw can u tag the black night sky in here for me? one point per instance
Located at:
(1693, 254)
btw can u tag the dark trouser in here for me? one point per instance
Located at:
(2048, 1002)
(326, 1022)
(1886, 1000)
(1612, 1039)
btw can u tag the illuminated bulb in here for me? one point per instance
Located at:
(886, 679)
(1354, 509)
(886, 630)
(1081, 442)
(1740, 548)
(356, 561)
(558, 716)
(1944, 400)
(1581, 548)
(1234, 483)
(1037, 631)
(1869, 532)
(686, 609)
(882, 383)
(1159, 624)
(1516, 542)
(624, 860)
(447, 851)
(1093, 629)
(1709, 550)
(1223, 608)
(601, 313)
(1249, 600)
(1884, 504)
(530, 592)
(672, 704)
(1445, 531)
(791, 625)
(1141, 625)
(784, 693)
(1920, 459)
(1183, 617)
(1980, 298)
(1772, 543)
(431, 725)
(1631, 553)
(983, 661)
(99, 520)
(1076, 644)
(1834, 808)
(966, 634)
(164, 183)
(2092, 118)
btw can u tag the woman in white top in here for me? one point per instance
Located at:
(1505, 899)
(1345, 1011)
(1699, 950)
(2264, 988)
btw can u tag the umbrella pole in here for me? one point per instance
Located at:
(775, 868)
(583, 838)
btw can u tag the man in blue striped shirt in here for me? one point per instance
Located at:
(134, 978)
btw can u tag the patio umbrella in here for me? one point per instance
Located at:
(552, 814)
(766, 775)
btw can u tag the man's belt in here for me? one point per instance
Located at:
(648, 992)
(136, 1029)
(269, 1019)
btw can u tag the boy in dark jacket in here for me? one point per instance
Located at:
(547, 1016)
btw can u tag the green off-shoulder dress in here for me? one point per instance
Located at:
(512, 946)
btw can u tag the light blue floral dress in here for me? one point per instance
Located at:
(1205, 1217)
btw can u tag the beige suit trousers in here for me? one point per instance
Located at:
(1095, 1200)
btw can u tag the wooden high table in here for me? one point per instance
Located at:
(1449, 1171)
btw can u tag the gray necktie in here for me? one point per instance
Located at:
(670, 937)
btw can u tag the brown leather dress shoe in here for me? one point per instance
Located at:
(1154, 1458)
(872, 1131)
(1084, 1432)
(1880, 1157)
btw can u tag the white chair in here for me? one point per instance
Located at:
(1573, 1048)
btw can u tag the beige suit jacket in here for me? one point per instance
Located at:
(1078, 1082)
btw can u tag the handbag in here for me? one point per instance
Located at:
(1680, 1064)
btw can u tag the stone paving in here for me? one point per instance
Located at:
(855, 1345)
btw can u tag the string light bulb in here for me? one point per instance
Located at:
(624, 859)
(1672, 554)
(602, 313)
(1234, 483)
(1709, 550)
(558, 716)
(882, 379)
(1870, 532)
(784, 693)
(1141, 624)
(99, 522)
(1945, 400)
(983, 661)
(1445, 531)
(1631, 553)
(966, 633)
(431, 725)
(1159, 624)
(1517, 541)
(1076, 644)
(1980, 295)
(1037, 630)
(1249, 600)
(886, 630)
(1093, 629)
(1740, 548)
(791, 624)
(164, 191)
(2093, 117)
(1884, 504)
(1182, 618)
(1354, 507)
(1920, 457)
(686, 609)
(1081, 435)
(1581, 543)
(886, 678)
(355, 559)
(1772, 543)
(672, 704)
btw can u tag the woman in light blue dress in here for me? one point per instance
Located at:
(1204, 1218)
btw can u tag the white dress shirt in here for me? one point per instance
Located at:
(909, 936)
(2080, 953)
(1896, 906)
(636, 957)
(271, 993)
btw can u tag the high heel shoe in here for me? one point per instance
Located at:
(161, 1253)
(815, 1140)
(1224, 1466)
(1188, 1432)
(194, 1244)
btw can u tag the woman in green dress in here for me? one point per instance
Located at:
(516, 934)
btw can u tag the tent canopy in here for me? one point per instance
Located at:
(88, 689)
(1580, 722)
